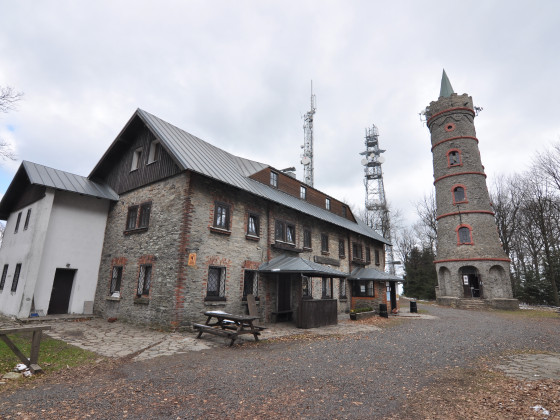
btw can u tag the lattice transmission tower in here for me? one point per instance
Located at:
(377, 213)
(307, 155)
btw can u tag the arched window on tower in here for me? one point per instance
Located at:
(454, 158)
(464, 235)
(459, 194)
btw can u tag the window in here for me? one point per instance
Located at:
(368, 255)
(216, 285)
(285, 232)
(357, 251)
(342, 289)
(454, 158)
(274, 179)
(459, 195)
(27, 217)
(144, 280)
(250, 284)
(144, 219)
(290, 233)
(4, 274)
(136, 159)
(155, 151)
(344, 211)
(464, 235)
(341, 251)
(221, 216)
(307, 238)
(253, 228)
(116, 277)
(16, 277)
(328, 203)
(306, 283)
(326, 292)
(324, 242)
(17, 222)
(376, 256)
(131, 217)
(363, 288)
(303, 192)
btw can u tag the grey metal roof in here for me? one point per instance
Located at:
(286, 264)
(54, 178)
(446, 89)
(372, 274)
(199, 156)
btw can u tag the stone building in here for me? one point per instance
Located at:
(471, 264)
(197, 228)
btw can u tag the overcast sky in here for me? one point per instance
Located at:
(237, 74)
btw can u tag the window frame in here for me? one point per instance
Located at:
(27, 218)
(15, 280)
(136, 159)
(328, 204)
(303, 192)
(326, 288)
(220, 292)
(144, 208)
(454, 189)
(368, 254)
(306, 287)
(218, 215)
(116, 281)
(273, 179)
(307, 239)
(17, 222)
(4, 276)
(154, 153)
(459, 158)
(282, 231)
(145, 285)
(342, 294)
(369, 286)
(376, 255)
(324, 243)
(132, 215)
(254, 286)
(256, 225)
(341, 249)
(344, 211)
(460, 229)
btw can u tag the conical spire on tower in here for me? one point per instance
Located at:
(446, 88)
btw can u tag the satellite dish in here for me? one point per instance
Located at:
(381, 159)
(305, 160)
(364, 161)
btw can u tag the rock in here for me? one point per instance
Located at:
(11, 375)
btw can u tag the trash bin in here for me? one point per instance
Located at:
(413, 307)
(383, 310)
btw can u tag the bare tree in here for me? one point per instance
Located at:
(8, 101)
(426, 228)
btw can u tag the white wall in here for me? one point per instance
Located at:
(24, 247)
(74, 240)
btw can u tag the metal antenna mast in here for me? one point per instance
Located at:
(377, 213)
(307, 156)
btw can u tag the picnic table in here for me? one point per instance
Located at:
(229, 325)
(32, 361)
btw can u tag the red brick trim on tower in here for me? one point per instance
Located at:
(459, 173)
(453, 138)
(456, 213)
(471, 259)
(460, 108)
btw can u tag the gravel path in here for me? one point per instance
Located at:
(363, 375)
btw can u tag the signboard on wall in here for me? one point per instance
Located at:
(466, 280)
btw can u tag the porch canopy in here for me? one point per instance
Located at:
(372, 274)
(286, 264)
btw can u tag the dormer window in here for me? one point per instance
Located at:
(136, 159)
(303, 192)
(328, 203)
(155, 151)
(274, 179)
(344, 211)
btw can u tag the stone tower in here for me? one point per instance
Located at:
(471, 264)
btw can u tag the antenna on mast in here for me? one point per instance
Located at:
(307, 156)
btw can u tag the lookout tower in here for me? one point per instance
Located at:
(472, 267)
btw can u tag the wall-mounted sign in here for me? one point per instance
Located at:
(192, 258)
(466, 280)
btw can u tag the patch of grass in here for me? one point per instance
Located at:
(528, 313)
(53, 355)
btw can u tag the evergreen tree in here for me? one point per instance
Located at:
(420, 274)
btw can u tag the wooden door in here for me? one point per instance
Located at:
(284, 293)
(61, 290)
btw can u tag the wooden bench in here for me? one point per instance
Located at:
(32, 361)
(228, 325)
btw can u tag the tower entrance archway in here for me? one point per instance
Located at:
(470, 278)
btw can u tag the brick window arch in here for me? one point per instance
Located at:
(454, 158)
(464, 235)
(459, 192)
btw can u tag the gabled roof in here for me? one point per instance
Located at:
(286, 264)
(372, 274)
(446, 89)
(192, 153)
(30, 173)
